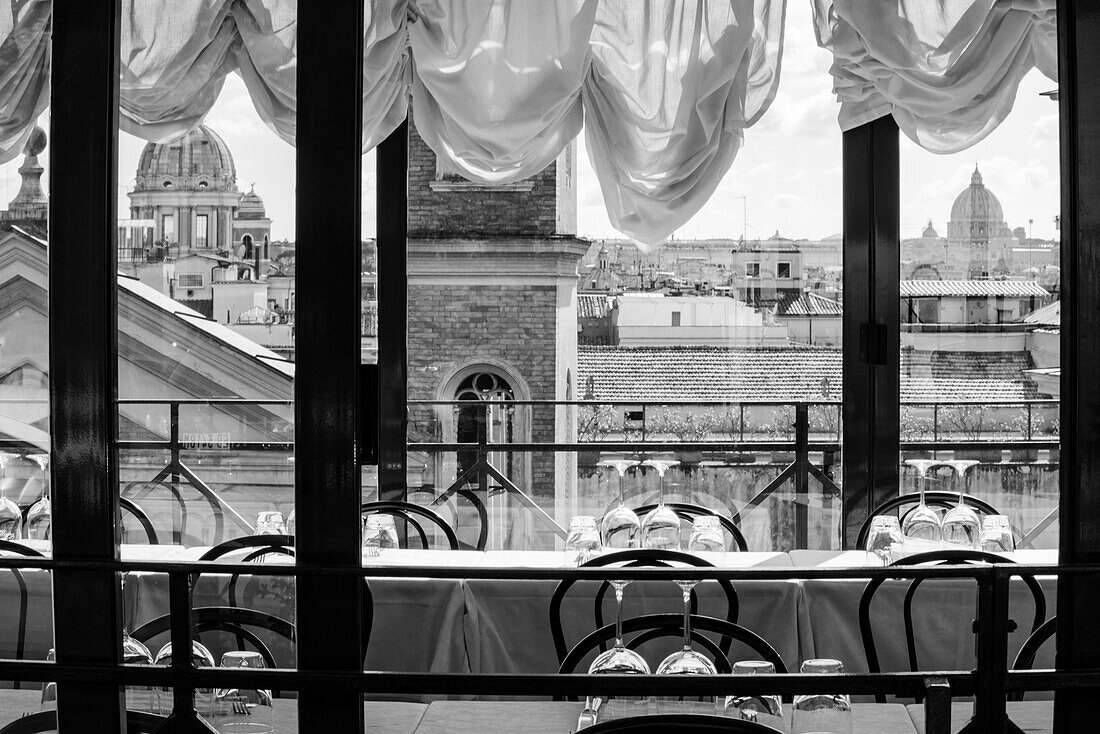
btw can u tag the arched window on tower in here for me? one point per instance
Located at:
(498, 418)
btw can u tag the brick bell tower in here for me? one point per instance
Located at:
(492, 317)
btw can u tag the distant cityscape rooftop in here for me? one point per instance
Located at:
(933, 288)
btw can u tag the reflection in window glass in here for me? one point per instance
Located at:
(980, 289)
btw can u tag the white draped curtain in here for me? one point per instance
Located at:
(947, 70)
(663, 88)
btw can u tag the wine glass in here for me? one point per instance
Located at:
(39, 517)
(379, 532)
(885, 531)
(997, 535)
(817, 713)
(661, 527)
(291, 523)
(582, 542)
(201, 657)
(240, 710)
(49, 688)
(10, 517)
(139, 698)
(684, 661)
(618, 659)
(621, 524)
(767, 710)
(922, 522)
(961, 525)
(706, 535)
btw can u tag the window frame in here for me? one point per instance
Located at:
(84, 101)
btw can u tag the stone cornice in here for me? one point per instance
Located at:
(521, 258)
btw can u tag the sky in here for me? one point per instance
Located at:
(786, 177)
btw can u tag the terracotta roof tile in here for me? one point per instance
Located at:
(625, 374)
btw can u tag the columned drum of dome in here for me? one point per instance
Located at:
(187, 189)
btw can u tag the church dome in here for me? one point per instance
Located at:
(198, 160)
(251, 206)
(978, 204)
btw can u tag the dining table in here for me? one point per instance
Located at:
(496, 625)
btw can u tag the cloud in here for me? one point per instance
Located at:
(1044, 132)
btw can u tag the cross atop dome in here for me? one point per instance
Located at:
(976, 177)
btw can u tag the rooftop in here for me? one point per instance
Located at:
(932, 288)
(783, 374)
(809, 304)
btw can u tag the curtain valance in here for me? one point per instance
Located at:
(663, 88)
(947, 70)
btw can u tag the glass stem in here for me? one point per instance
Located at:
(922, 481)
(687, 618)
(661, 494)
(619, 615)
(622, 493)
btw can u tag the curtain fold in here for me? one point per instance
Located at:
(24, 70)
(672, 87)
(947, 70)
(174, 59)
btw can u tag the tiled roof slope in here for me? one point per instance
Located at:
(931, 288)
(593, 306)
(810, 304)
(796, 373)
(1048, 315)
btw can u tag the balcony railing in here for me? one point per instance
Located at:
(799, 441)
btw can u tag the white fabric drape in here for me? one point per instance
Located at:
(948, 70)
(24, 71)
(672, 88)
(175, 55)
(499, 87)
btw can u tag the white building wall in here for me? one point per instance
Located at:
(647, 320)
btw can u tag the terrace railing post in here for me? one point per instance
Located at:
(802, 475)
(179, 516)
(937, 706)
(992, 648)
(83, 355)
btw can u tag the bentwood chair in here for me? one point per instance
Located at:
(8, 547)
(137, 722)
(942, 557)
(938, 499)
(688, 512)
(1025, 658)
(678, 724)
(651, 627)
(636, 558)
(131, 508)
(417, 516)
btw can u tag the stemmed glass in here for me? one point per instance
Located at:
(619, 659)
(201, 657)
(621, 524)
(10, 516)
(922, 522)
(135, 653)
(961, 525)
(686, 661)
(661, 527)
(39, 517)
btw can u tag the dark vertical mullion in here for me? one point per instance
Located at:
(83, 353)
(327, 494)
(393, 306)
(1078, 639)
(871, 320)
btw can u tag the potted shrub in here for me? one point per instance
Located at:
(915, 426)
(687, 427)
(971, 421)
